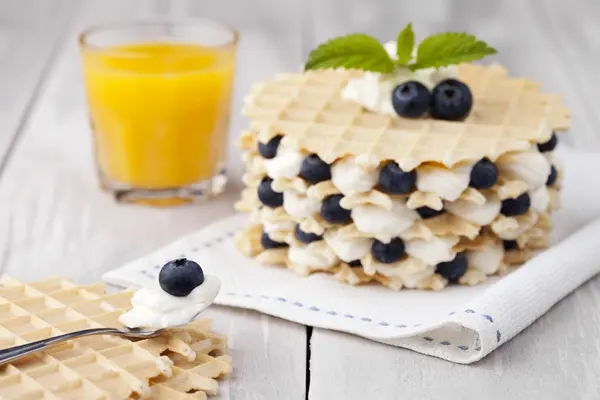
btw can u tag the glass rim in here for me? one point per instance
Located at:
(84, 43)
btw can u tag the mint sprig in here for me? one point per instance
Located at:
(405, 43)
(450, 48)
(356, 51)
(360, 51)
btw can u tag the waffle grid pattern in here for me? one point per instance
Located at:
(96, 367)
(508, 114)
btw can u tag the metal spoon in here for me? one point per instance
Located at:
(16, 352)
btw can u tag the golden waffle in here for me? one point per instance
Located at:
(508, 114)
(96, 367)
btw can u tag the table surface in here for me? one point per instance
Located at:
(55, 221)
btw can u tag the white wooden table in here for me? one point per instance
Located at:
(55, 221)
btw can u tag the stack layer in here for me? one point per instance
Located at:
(179, 364)
(442, 223)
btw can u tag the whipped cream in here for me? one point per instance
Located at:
(153, 308)
(432, 252)
(353, 175)
(373, 90)
(287, 162)
(348, 248)
(540, 199)
(530, 167)
(278, 226)
(299, 206)
(316, 255)
(382, 223)
(487, 258)
(482, 214)
(444, 182)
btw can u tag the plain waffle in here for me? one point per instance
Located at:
(98, 367)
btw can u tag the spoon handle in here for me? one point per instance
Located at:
(16, 352)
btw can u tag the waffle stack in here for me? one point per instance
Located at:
(512, 124)
(179, 364)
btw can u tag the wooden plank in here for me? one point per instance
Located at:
(55, 221)
(28, 38)
(558, 357)
(543, 361)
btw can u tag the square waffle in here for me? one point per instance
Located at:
(508, 113)
(100, 367)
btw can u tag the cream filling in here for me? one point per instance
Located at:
(530, 167)
(486, 259)
(352, 176)
(446, 183)
(153, 308)
(434, 251)
(381, 223)
(316, 255)
(348, 248)
(482, 214)
(287, 162)
(299, 206)
(540, 199)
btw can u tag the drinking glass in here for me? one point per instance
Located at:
(159, 94)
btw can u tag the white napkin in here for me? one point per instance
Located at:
(460, 324)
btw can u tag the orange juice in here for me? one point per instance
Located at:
(159, 112)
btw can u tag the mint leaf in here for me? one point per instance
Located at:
(450, 48)
(355, 51)
(405, 44)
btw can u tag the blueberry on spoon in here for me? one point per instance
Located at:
(179, 277)
(411, 99)
(451, 100)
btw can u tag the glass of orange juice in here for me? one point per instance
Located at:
(159, 95)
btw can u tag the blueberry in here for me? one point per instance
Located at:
(454, 269)
(451, 100)
(332, 212)
(393, 180)
(411, 99)
(315, 170)
(268, 243)
(552, 177)
(388, 253)
(510, 245)
(514, 207)
(355, 263)
(267, 195)
(426, 212)
(484, 174)
(549, 145)
(306, 237)
(269, 150)
(179, 277)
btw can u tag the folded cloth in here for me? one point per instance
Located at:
(460, 324)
